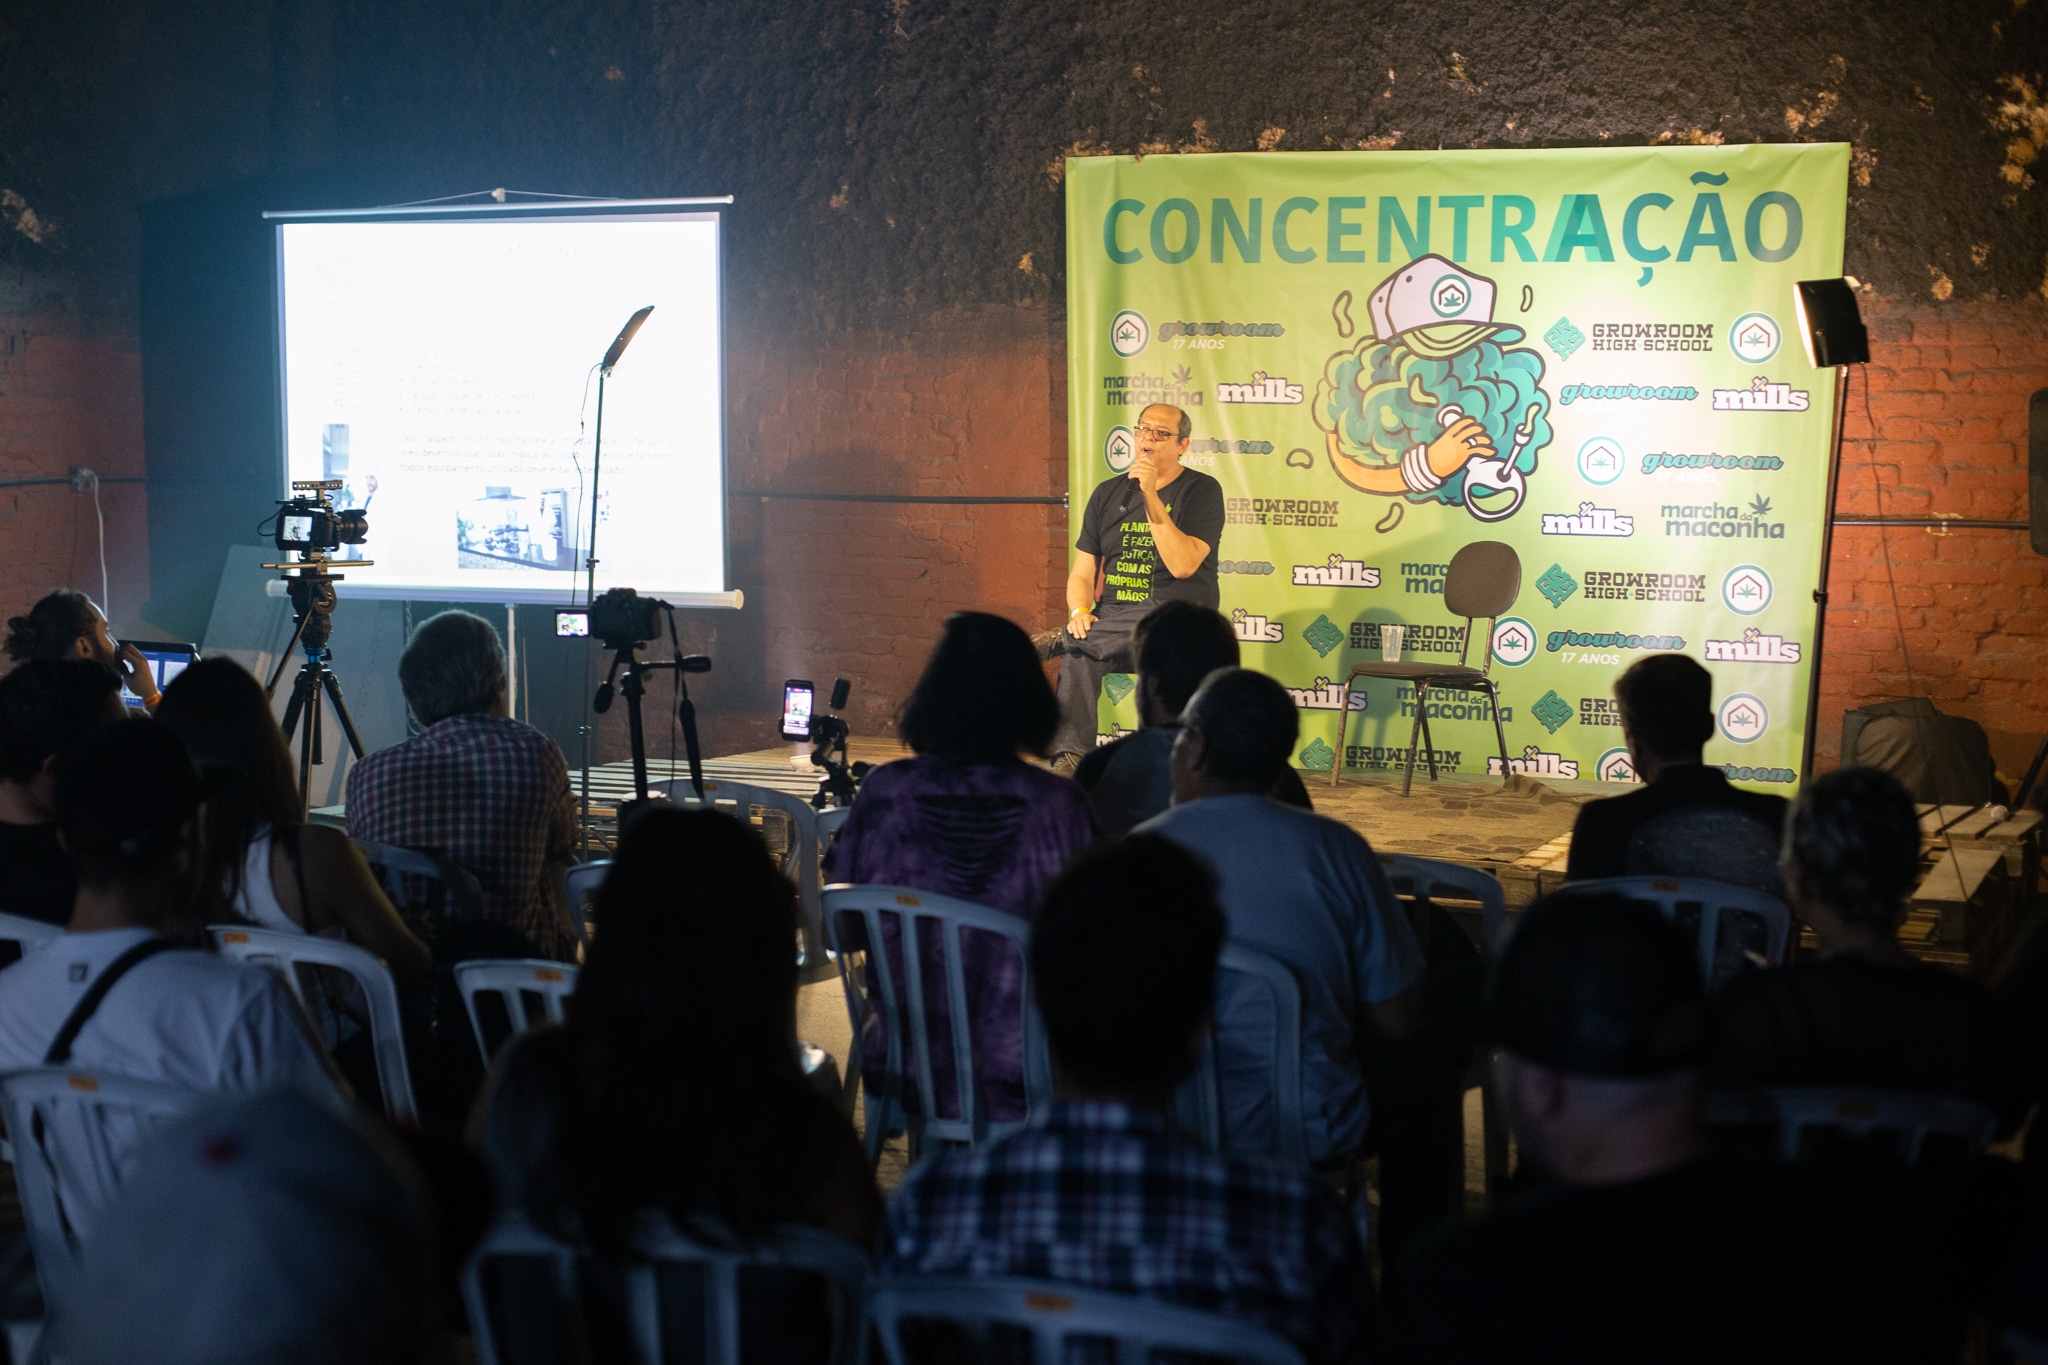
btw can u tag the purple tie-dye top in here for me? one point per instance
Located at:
(993, 834)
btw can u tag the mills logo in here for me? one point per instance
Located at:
(1535, 762)
(1754, 647)
(1762, 396)
(1262, 389)
(1338, 573)
(1256, 630)
(1588, 521)
(1615, 765)
(1325, 696)
(1129, 333)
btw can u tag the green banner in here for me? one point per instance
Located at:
(1590, 355)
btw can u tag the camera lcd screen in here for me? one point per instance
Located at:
(575, 623)
(298, 530)
(796, 710)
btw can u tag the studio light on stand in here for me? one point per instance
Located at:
(604, 371)
(1831, 328)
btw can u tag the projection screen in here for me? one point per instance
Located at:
(441, 363)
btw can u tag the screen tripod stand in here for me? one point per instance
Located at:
(311, 589)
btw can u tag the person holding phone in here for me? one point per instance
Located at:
(67, 624)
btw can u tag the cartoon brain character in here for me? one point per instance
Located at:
(1435, 406)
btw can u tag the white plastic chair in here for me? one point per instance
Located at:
(799, 859)
(1055, 1315)
(580, 882)
(661, 1251)
(287, 953)
(1437, 880)
(74, 1133)
(1715, 902)
(26, 934)
(1201, 1103)
(532, 991)
(1796, 1113)
(903, 1006)
(463, 892)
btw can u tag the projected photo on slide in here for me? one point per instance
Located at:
(442, 367)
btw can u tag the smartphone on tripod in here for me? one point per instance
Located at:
(799, 695)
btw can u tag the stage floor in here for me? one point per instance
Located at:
(1520, 833)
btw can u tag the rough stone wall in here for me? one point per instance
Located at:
(896, 272)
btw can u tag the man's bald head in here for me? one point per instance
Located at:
(1170, 418)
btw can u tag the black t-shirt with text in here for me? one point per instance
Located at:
(1116, 529)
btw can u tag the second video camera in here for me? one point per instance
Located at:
(309, 522)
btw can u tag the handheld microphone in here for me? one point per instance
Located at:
(624, 339)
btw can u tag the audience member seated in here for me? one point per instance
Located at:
(968, 818)
(1687, 820)
(475, 786)
(1129, 780)
(69, 625)
(46, 705)
(1305, 889)
(266, 1228)
(675, 1084)
(119, 991)
(1864, 1012)
(1101, 1190)
(262, 864)
(1644, 1247)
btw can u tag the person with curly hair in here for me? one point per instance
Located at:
(67, 624)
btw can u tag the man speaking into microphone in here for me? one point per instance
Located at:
(1148, 535)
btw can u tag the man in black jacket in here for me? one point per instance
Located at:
(1687, 820)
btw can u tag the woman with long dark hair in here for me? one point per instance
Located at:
(675, 1086)
(969, 818)
(261, 863)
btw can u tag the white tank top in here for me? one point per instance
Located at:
(258, 899)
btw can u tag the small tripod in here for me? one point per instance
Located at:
(633, 688)
(311, 589)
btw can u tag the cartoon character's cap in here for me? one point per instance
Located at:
(1436, 308)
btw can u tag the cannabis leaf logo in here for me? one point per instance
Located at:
(1759, 506)
(1182, 375)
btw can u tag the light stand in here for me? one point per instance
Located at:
(1831, 326)
(604, 371)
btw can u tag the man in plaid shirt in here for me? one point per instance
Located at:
(1100, 1190)
(475, 785)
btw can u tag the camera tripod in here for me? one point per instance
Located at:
(311, 589)
(631, 686)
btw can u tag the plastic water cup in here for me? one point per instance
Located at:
(1390, 643)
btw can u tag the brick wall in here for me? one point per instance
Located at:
(1947, 391)
(68, 397)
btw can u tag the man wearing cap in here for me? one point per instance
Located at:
(1148, 535)
(119, 991)
(1642, 1246)
(1424, 408)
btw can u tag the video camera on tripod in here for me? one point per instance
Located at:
(308, 525)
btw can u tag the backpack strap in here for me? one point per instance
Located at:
(89, 1003)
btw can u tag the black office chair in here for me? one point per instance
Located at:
(1482, 580)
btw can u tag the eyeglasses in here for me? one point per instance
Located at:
(1159, 433)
